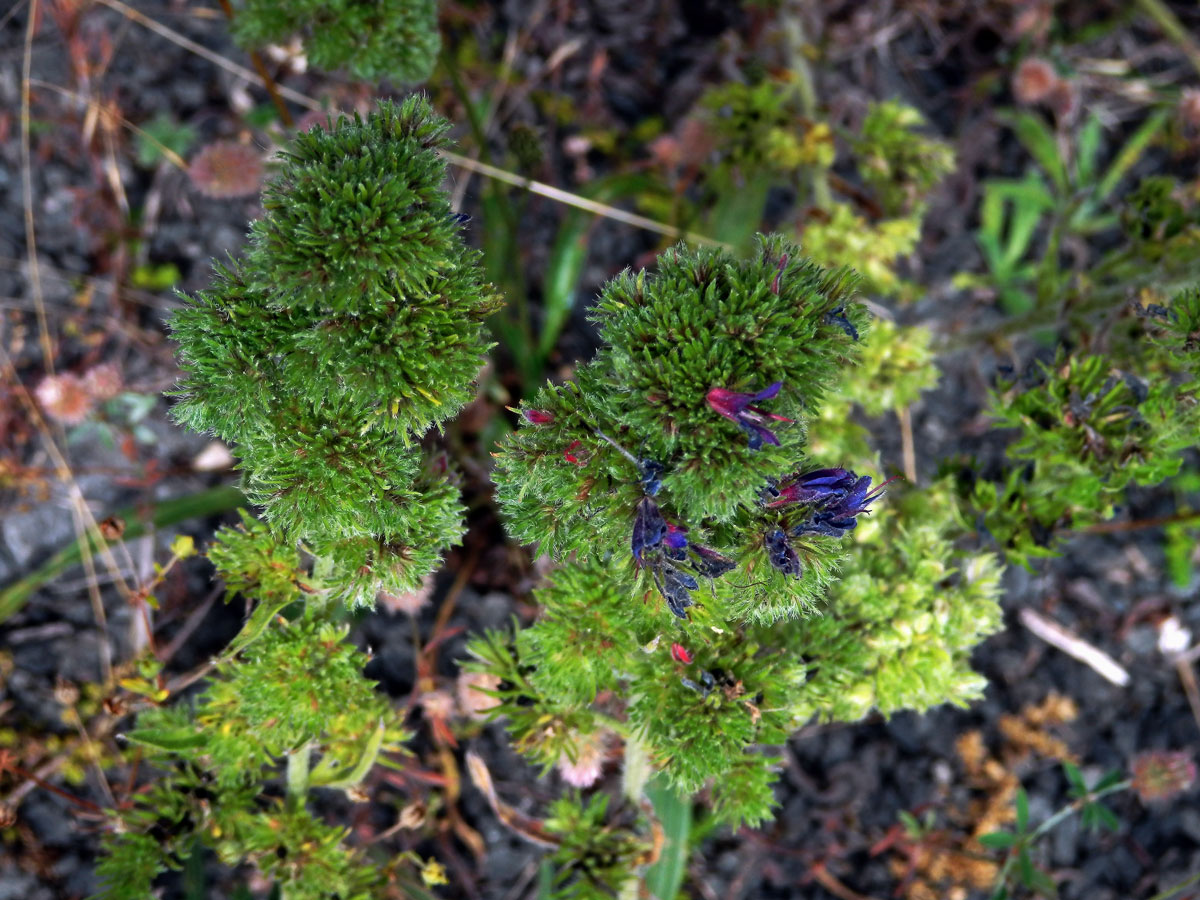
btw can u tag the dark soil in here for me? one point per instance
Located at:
(845, 785)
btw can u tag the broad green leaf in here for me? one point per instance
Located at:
(665, 877)
(911, 825)
(195, 885)
(1044, 884)
(1022, 803)
(326, 775)
(256, 624)
(1087, 151)
(1074, 776)
(738, 212)
(569, 254)
(1025, 868)
(1106, 818)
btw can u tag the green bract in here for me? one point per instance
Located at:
(351, 326)
(373, 39)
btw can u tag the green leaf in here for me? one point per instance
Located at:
(1075, 777)
(163, 131)
(1022, 803)
(665, 877)
(323, 774)
(1040, 141)
(1044, 884)
(1087, 151)
(170, 739)
(194, 883)
(569, 254)
(1131, 153)
(1025, 867)
(739, 209)
(256, 624)
(1112, 778)
(545, 886)
(911, 825)
(998, 840)
(1105, 817)
(155, 277)
(1180, 544)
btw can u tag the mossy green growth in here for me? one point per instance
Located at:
(351, 325)
(899, 163)
(296, 691)
(897, 628)
(1087, 430)
(697, 482)
(371, 39)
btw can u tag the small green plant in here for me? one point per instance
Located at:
(1087, 429)
(707, 577)
(372, 39)
(1156, 776)
(1069, 196)
(348, 329)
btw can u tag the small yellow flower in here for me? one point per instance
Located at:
(433, 873)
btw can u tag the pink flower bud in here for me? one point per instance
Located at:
(680, 654)
(537, 416)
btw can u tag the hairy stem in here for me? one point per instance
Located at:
(297, 776)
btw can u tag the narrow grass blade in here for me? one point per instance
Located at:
(170, 512)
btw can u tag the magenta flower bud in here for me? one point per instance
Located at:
(537, 416)
(680, 654)
(737, 408)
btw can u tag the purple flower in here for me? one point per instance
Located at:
(675, 543)
(650, 475)
(821, 486)
(836, 497)
(704, 688)
(737, 408)
(649, 528)
(537, 416)
(706, 562)
(710, 563)
(837, 316)
(675, 586)
(781, 554)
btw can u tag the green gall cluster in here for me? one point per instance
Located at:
(372, 39)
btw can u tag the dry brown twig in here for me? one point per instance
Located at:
(463, 162)
(1072, 645)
